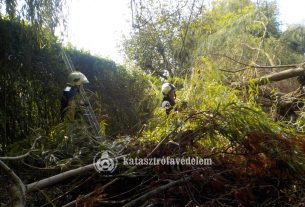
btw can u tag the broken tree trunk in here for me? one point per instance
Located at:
(287, 104)
(286, 74)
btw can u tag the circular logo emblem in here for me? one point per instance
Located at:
(105, 162)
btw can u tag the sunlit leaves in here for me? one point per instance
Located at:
(157, 44)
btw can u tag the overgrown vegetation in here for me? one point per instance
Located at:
(33, 75)
(216, 56)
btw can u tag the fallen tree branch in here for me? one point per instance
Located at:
(67, 192)
(286, 74)
(274, 77)
(156, 191)
(24, 155)
(247, 66)
(74, 202)
(162, 142)
(58, 178)
(17, 192)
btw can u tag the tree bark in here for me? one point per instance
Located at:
(58, 178)
(24, 155)
(286, 74)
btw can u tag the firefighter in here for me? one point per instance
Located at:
(169, 97)
(71, 100)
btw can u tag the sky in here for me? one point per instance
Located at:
(98, 25)
(291, 12)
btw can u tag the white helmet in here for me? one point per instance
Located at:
(167, 87)
(77, 78)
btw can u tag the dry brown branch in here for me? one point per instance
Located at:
(72, 203)
(137, 201)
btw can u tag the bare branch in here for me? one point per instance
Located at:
(24, 155)
(230, 58)
(18, 190)
(247, 66)
(262, 41)
(286, 74)
(58, 178)
(265, 53)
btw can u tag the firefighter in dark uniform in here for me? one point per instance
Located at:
(169, 97)
(71, 100)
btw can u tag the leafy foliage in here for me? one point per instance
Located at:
(250, 151)
(40, 14)
(257, 160)
(33, 76)
(233, 34)
(156, 44)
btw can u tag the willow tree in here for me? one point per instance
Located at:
(237, 34)
(158, 36)
(232, 33)
(40, 13)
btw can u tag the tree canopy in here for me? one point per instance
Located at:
(39, 13)
(169, 42)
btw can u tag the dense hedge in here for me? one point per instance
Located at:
(33, 74)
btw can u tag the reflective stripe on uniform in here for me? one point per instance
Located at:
(68, 88)
(166, 104)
